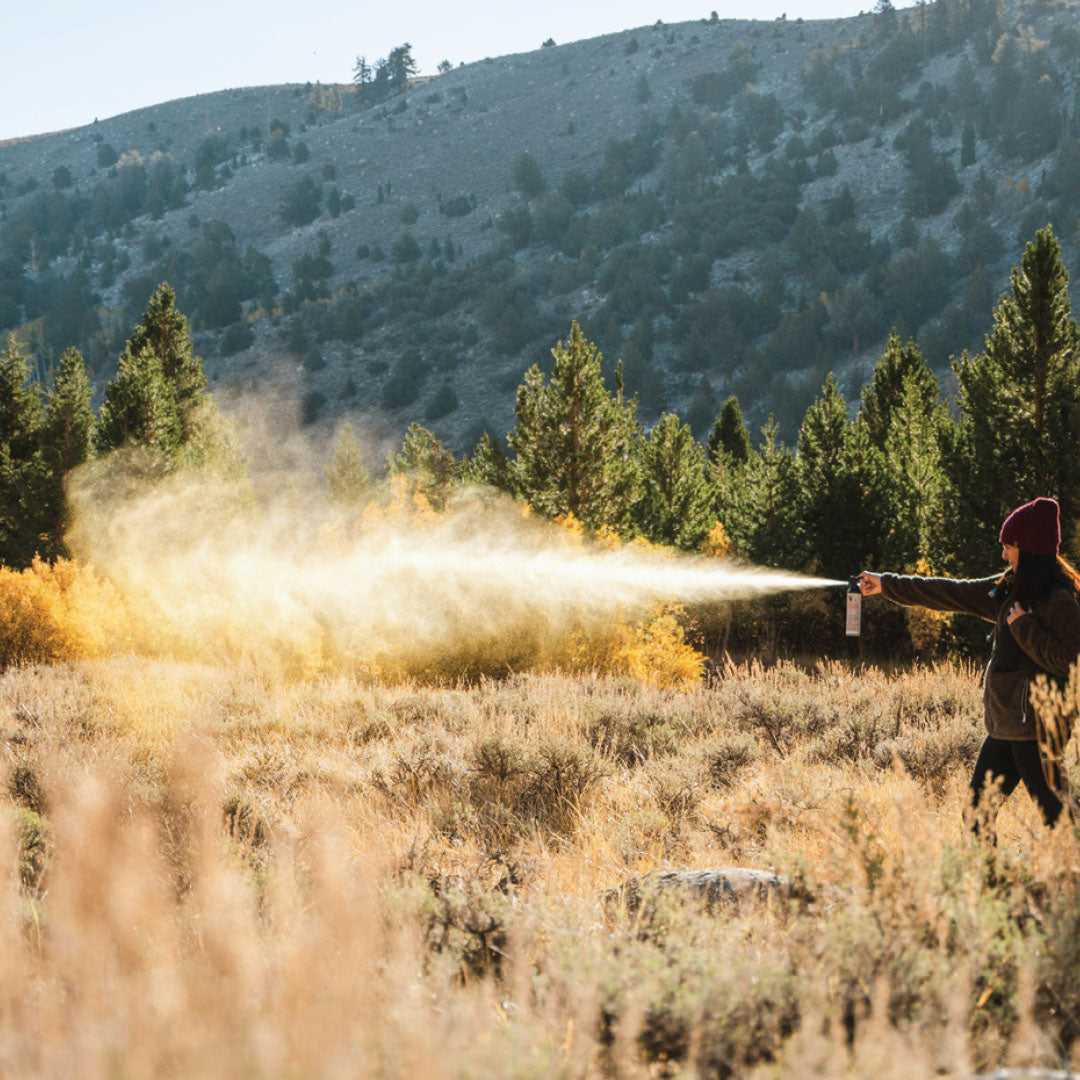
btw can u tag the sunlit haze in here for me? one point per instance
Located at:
(210, 577)
(62, 65)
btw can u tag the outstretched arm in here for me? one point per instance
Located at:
(972, 597)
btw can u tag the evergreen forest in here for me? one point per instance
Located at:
(900, 479)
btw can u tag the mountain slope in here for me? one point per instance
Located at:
(729, 206)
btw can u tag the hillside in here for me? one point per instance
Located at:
(729, 206)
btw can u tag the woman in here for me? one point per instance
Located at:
(1037, 629)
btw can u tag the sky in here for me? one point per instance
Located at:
(64, 63)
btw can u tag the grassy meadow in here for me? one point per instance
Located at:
(213, 871)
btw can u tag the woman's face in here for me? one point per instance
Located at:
(1011, 554)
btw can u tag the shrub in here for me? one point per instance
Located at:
(403, 386)
(24, 787)
(153, 247)
(405, 249)
(300, 203)
(34, 847)
(517, 223)
(728, 755)
(311, 405)
(58, 612)
(237, 337)
(444, 402)
(658, 654)
(653, 651)
(826, 164)
(562, 777)
(313, 360)
(349, 321)
(528, 179)
(631, 733)
(457, 206)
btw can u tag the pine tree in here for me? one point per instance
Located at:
(163, 330)
(68, 432)
(758, 504)
(575, 443)
(429, 467)
(1019, 398)
(729, 441)
(678, 500)
(138, 408)
(362, 72)
(898, 365)
(967, 145)
(20, 402)
(23, 474)
(906, 423)
(912, 481)
(67, 438)
(488, 464)
(836, 467)
(346, 476)
(401, 66)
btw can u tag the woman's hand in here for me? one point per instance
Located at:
(1016, 612)
(869, 584)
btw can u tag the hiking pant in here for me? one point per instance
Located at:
(1007, 762)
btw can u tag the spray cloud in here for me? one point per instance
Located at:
(209, 570)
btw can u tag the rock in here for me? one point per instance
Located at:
(1027, 1074)
(718, 886)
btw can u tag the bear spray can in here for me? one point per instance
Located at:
(854, 608)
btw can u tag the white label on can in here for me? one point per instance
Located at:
(854, 614)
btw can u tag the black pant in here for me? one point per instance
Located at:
(1007, 762)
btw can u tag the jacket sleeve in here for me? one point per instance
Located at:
(1052, 637)
(972, 596)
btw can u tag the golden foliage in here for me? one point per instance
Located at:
(50, 613)
(406, 500)
(658, 654)
(607, 538)
(925, 627)
(653, 650)
(717, 544)
(575, 530)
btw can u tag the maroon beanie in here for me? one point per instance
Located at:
(1034, 527)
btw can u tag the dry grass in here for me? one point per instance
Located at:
(211, 872)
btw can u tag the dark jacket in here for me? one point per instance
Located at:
(1046, 640)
